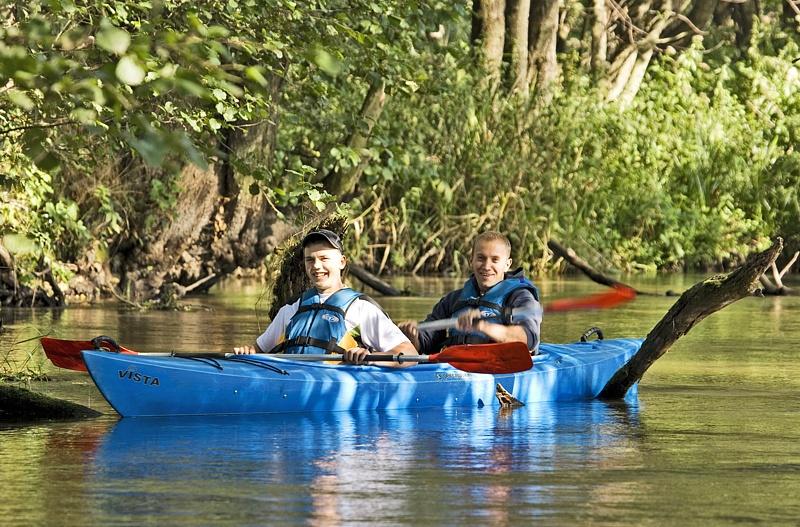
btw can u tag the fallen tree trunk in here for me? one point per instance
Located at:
(18, 404)
(576, 261)
(374, 282)
(694, 305)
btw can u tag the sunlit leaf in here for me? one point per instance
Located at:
(129, 71)
(21, 99)
(19, 244)
(326, 62)
(84, 115)
(254, 74)
(113, 39)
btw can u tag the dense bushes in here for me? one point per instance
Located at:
(696, 173)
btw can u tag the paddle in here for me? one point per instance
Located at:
(605, 300)
(619, 294)
(507, 357)
(497, 358)
(67, 353)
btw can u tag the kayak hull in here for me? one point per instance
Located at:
(138, 386)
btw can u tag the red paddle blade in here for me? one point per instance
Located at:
(501, 357)
(618, 295)
(67, 353)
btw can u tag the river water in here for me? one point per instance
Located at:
(714, 438)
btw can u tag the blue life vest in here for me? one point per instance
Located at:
(492, 305)
(318, 327)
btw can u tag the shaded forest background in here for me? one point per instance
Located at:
(150, 148)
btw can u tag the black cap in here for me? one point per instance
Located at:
(323, 235)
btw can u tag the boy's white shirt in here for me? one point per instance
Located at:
(377, 330)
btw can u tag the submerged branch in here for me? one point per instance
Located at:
(777, 288)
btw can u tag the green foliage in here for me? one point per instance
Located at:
(88, 89)
(34, 224)
(698, 171)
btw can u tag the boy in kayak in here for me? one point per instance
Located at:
(484, 305)
(326, 316)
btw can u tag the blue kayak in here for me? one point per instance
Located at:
(140, 385)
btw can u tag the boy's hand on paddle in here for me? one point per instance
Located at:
(470, 320)
(355, 356)
(245, 350)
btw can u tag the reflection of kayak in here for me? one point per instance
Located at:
(294, 468)
(137, 385)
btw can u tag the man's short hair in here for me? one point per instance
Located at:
(491, 236)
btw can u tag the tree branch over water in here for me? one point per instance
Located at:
(701, 300)
(579, 263)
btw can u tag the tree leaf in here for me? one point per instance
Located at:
(113, 39)
(326, 62)
(21, 99)
(19, 244)
(254, 74)
(129, 71)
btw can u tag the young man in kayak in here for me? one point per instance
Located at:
(325, 317)
(484, 304)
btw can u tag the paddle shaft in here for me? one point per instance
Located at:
(302, 357)
(449, 323)
(400, 359)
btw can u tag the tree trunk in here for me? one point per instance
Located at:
(628, 78)
(374, 282)
(599, 56)
(698, 19)
(693, 306)
(542, 39)
(492, 36)
(343, 182)
(743, 14)
(518, 12)
(20, 405)
(582, 265)
(216, 224)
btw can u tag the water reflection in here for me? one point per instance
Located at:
(335, 468)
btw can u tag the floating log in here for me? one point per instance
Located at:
(701, 300)
(374, 282)
(576, 261)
